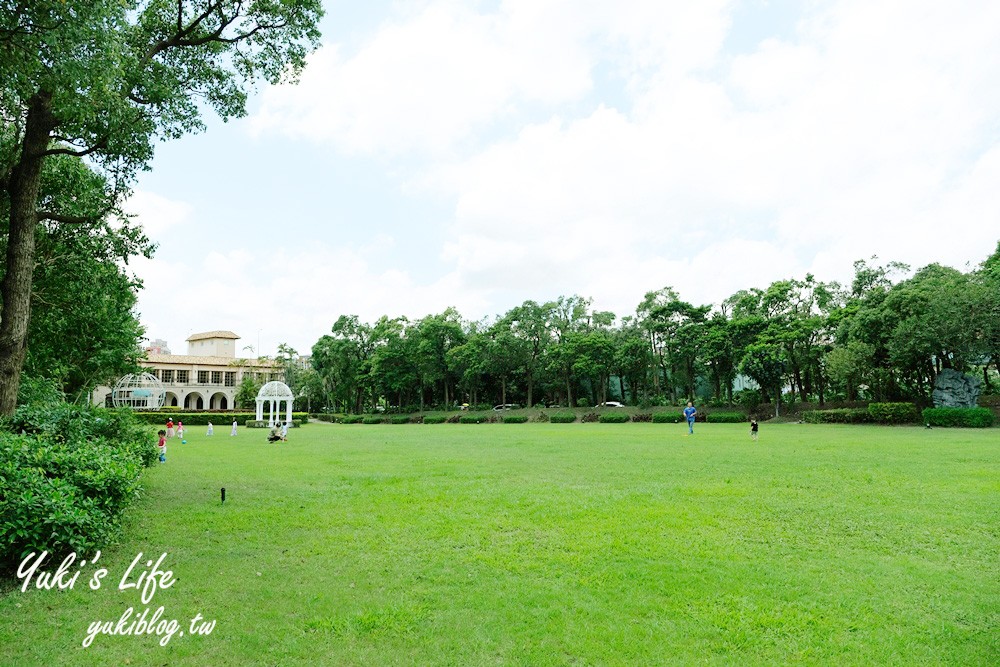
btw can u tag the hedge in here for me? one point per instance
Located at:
(515, 419)
(373, 419)
(400, 419)
(726, 418)
(67, 473)
(435, 419)
(838, 416)
(962, 417)
(253, 423)
(668, 417)
(202, 418)
(894, 413)
(351, 419)
(472, 419)
(562, 417)
(614, 417)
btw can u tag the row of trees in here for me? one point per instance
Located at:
(882, 338)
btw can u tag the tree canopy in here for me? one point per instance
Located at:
(104, 80)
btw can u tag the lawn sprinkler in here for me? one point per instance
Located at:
(223, 495)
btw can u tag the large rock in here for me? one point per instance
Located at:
(955, 390)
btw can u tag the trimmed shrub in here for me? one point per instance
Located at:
(960, 417)
(668, 417)
(351, 419)
(614, 417)
(201, 418)
(894, 413)
(66, 476)
(515, 419)
(838, 416)
(400, 419)
(373, 419)
(435, 419)
(253, 423)
(725, 418)
(472, 419)
(644, 417)
(562, 417)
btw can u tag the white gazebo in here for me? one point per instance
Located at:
(273, 393)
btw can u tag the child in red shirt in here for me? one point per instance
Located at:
(162, 445)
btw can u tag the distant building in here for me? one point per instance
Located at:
(207, 377)
(157, 346)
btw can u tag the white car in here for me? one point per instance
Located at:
(610, 404)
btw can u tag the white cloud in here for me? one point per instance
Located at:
(157, 214)
(609, 149)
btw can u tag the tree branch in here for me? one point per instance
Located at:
(41, 216)
(99, 145)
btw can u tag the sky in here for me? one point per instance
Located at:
(441, 153)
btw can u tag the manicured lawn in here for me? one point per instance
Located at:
(538, 544)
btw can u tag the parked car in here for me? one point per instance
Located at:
(610, 404)
(506, 406)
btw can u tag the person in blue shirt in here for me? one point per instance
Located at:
(689, 413)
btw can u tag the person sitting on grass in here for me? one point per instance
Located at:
(274, 435)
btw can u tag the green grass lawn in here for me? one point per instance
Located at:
(539, 544)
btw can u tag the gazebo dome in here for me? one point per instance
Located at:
(273, 390)
(139, 391)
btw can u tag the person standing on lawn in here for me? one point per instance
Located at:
(689, 414)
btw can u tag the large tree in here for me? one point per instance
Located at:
(105, 79)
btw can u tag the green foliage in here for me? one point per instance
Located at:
(725, 417)
(472, 419)
(838, 416)
(515, 419)
(435, 419)
(373, 419)
(66, 475)
(217, 418)
(401, 419)
(352, 419)
(894, 413)
(668, 417)
(562, 417)
(246, 393)
(614, 417)
(961, 417)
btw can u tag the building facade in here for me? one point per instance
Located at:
(207, 377)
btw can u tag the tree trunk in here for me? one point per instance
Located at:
(15, 289)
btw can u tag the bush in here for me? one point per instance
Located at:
(201, 418)
(435, 419)
(894, 413)
(644, 417)
(400, 419)
(961, 417)
(668, 417)
(838, 416)
(351, 419)
(562, 417)
(614, 417)
(725, 418)
(66, 475)
(373, 419)
(472, 419)
(515, 419)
